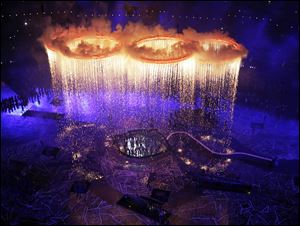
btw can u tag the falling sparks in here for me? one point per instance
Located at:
(87, 64)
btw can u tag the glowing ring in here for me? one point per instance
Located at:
(159, 61)
(240, 50)
(116, 47)
(228, 42)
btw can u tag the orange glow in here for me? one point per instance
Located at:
(99, 46)
(145, 59)
(87, 47)
(166, 47)
(147, 44)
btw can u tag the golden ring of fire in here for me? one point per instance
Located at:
(115, 47)
(73, 43)
(167, 60)
(218, 43)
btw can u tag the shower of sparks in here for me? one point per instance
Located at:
(117, 77)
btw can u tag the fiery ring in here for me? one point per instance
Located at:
(135, 48)
(223, 50)
(69, 47)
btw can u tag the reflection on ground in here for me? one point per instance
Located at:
(85, 155)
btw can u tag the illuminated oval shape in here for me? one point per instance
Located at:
(160, 49)
(218, 44)
(93, 47)
(220, 50)
(141, 143)
(86, 47)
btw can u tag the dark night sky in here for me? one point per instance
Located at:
(268, 29)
